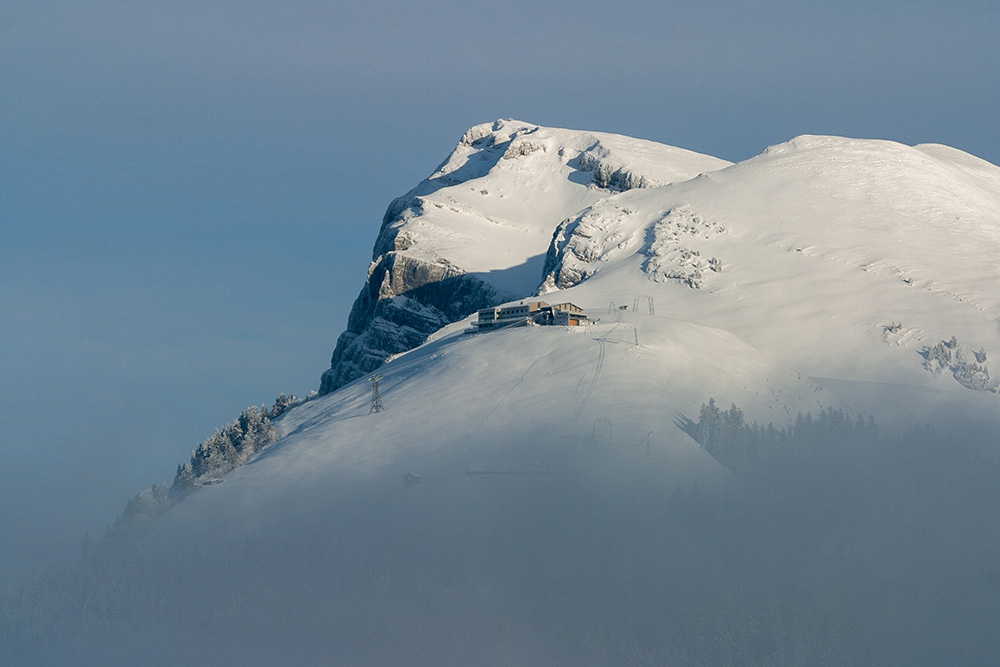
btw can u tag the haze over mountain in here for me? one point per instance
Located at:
(580, 499)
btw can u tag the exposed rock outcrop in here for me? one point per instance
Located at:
(404, 301)
(564, 265)
(669, 243)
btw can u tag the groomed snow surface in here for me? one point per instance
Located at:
(534, 496)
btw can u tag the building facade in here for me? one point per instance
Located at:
(538, 312)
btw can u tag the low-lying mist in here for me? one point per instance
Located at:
(829, 541)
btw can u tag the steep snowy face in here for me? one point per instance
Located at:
(475, 232)
(842, 258)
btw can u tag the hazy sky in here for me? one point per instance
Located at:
(190, 191)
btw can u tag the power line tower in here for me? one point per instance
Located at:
(376, 396)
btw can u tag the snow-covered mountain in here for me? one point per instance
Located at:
(867, 252)
(554, 495)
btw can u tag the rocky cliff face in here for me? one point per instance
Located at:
(404, 301)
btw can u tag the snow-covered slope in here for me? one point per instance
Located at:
(841, 258)
(534, 495)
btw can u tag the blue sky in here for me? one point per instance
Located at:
(190, 193)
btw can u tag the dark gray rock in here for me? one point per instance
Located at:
(404, 301)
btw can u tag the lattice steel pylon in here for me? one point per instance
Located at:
(376, 396)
